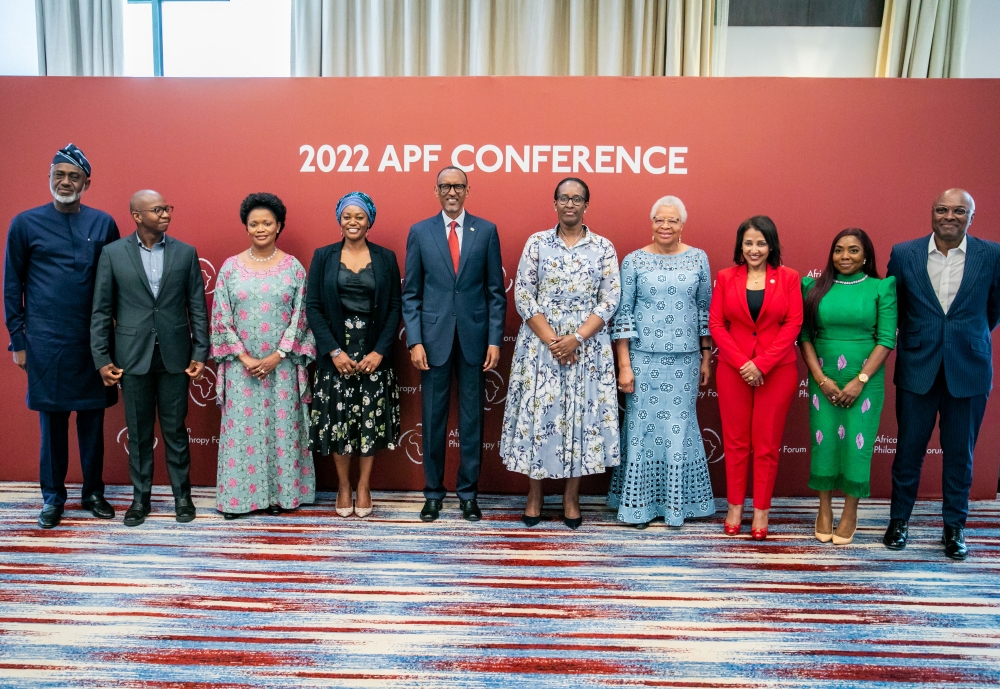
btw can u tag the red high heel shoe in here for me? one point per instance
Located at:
(731, 529)
(758, 534)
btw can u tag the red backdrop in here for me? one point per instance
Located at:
(817, 155)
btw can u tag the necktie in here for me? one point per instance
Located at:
(453, 245)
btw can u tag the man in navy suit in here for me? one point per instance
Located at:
(454, 309)
(949, 302)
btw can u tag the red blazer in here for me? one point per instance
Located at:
(768, 342)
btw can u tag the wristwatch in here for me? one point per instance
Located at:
(863, 377)
(579, 337)
(282, 353)
(335, 353)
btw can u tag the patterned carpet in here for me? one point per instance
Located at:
(310, 599)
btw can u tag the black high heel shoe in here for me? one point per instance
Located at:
(229, 516)
(573, 523)
(531, 521)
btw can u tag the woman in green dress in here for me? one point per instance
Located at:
(848, 331)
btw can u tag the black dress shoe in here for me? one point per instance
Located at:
(99, 507)
(573, 523)
(50, 517)
(641, 525)
(184, 509)
(531, 521)
(136, 513)
(895, 535)
(470, 510)
(432, 508)
(953, 541)
(274, 509)
(229, 516)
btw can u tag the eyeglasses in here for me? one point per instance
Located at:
(446, 188)
(565, 200)
(157, 210)
(958, 212)
(672, 222)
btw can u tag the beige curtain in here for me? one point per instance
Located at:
(923, 38)
(80, 37)
(508, 37)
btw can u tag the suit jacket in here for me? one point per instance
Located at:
(770, 340)
(326, 316)
(927, 333)
(177, 318)
(437, 303)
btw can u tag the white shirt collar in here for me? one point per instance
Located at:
(932, 247)
(460, 219)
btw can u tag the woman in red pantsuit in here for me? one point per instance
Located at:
(754, 319)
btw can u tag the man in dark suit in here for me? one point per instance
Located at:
(454, 308)
(51, 260)
(150, 288)
(948, 286)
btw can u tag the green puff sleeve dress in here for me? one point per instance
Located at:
(858, 313)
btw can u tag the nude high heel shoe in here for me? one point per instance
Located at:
(840, 540)
(363, 511)
(823, 537)
(346, 511)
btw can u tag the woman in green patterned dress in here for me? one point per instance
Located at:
(848, 331)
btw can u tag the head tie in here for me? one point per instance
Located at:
(362, 201)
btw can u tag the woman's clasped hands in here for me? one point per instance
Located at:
(751, 374)
(564, 349)
(260, 368)
(347, 366)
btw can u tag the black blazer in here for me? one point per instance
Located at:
(326, 317)
(177, 317)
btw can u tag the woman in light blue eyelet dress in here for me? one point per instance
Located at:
(664, 351)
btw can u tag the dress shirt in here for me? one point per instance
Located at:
(458, 230)
(946, 272)
(152, 262)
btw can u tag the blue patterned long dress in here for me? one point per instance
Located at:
(663, 312)
(562, 421)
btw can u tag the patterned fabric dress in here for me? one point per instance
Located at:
(562, 421)
(264, 456)
(356, 413)
(664, 312)
(857, 313)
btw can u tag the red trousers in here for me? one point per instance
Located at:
(753, 421)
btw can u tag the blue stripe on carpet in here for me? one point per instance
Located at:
(310, 599)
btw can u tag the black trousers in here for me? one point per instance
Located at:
(54, 459)
(960, 419)
(436, 392)
(163, 394)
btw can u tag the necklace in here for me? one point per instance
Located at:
(851, 282)
(263, 260)
(757, 280)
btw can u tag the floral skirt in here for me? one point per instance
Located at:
(356, 413)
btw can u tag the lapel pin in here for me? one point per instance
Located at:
(772, 281)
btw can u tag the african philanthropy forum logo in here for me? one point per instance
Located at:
(411, 443)
(208, 274)
(202, 391)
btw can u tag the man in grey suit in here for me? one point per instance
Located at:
(150, 289)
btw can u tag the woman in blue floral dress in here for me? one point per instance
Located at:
(262, 344)
(561, 419)
(664, 352)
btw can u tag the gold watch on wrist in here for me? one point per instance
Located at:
(863, 377)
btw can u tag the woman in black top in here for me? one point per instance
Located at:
(353, 305)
